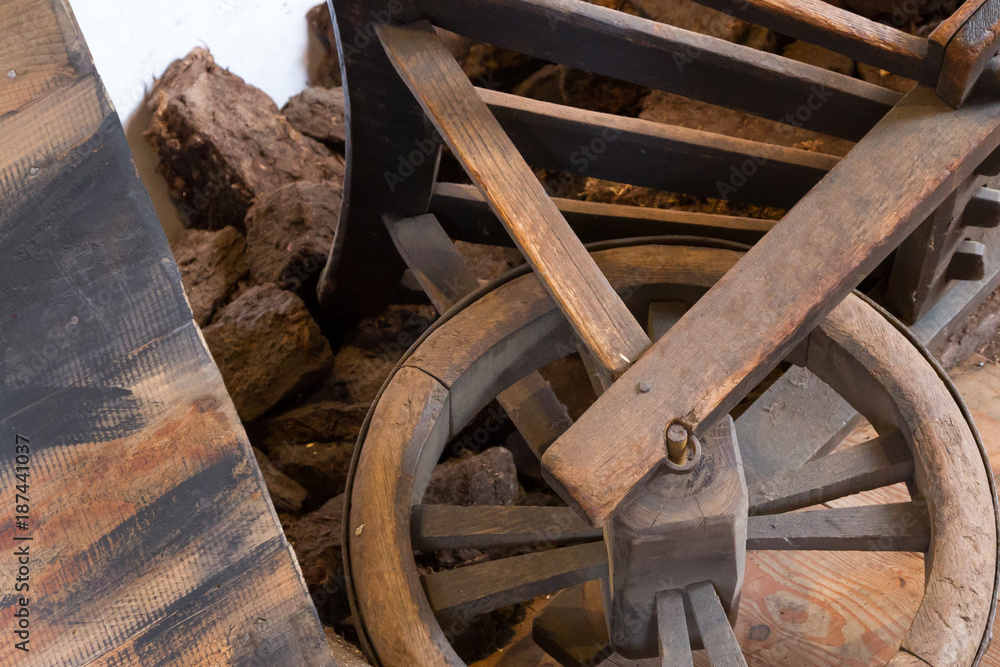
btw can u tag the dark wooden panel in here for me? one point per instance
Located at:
(603, 41)
(656, 155)
(466, 216)
(151, 532)
(700, 369)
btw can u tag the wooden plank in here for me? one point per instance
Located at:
(477, 589)
(863, 467)
(538, 414)
(655, 155)
(467, 217)
(661, 56)
(672, 635)
(596, 312)
(482, 527)
(819, 265)
(148, 521)
(713, 624)
(571, 628)
(893, 527)
(968, 52)
(839, 30)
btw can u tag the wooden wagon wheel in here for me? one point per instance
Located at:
(493, 346)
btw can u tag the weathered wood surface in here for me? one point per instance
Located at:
(467, 217)
(713, 625)
(673, 642)
(969, 50)
(655, 155)
(839, 30)
(148, 520)
(610, 451)
(483, 527)
(444, 92)
(661, 56)
(571, 628)
(895, 527)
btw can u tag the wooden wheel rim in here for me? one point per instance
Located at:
(452, 375)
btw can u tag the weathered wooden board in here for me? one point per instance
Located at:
(150, 533)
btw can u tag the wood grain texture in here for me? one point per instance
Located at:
(655, 155)
(839, 30)
(895, 527)
(150, 524)
(870, 465)
(482, 527)
(441, 87)
(672, 636)
(467, 217)
(483, 587)
(823, 264)
(713, 625)
(968, 52)
(660, 56)
(571, 627)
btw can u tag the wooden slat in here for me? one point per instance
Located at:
(596, 312)
(734, 335)
(713, 624)
(538, 414)
(482, 527)
(656, 155)
(603, 41)
(672, 630)
(869, 465)
(840, 30)
(466, 216)
(892, 527)
(477, 589)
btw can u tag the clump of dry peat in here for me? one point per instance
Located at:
(260, 189)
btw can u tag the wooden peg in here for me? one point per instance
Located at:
(968, 262)
(983, 210)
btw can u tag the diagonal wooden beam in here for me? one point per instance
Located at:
(596, 312)
(776, 294)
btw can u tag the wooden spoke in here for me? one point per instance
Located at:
(538, 414)
(571, 628)
(735, 334)
(713, 625)
(672, 631)
(596, 312)
(654, 155)
(483, 527)
(480, 588)
(818, 22)
(869, 465)
(796, 418)
(466, 216)
(661, 56)
(893, 527)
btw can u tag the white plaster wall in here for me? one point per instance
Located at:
(264, 41)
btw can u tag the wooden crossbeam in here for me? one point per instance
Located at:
(466, 216)
(596, 312)
(734, 335)
(656, 155)
(840, 30)
(661, 56)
